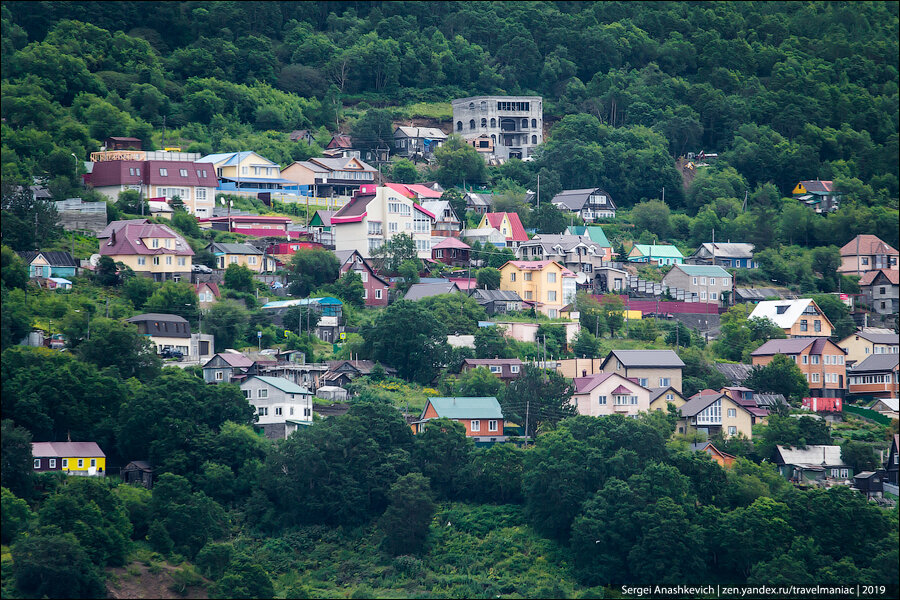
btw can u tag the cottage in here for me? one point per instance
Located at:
(813, 463)
(820, 360)
(870, 483)
(281, 406)
(589, 204)
(508, 224)
(579, 254)
(342, 372)
(446, 222)
(324, 176)
(713, 414)
(603, 394)
(497, 302)
(656, 254)
(820, 195)
(417, 291)
(547, 283)
(171, 332)
(728, 255)
(246, 172)
(243, 255)
(867, 253)
(484, 236)
(148, 249)
(876, 376)
(72, 458)
(724, 459)
(656, 368)
(138, 472)
(661, 397)
(451, 251)
(478, 203)
(798, 318)
(48, 264)
(375, 289)
(418, 142)
(207, 293)
(881, 290)
(506, 369)
(481, 416)
(711, 281)
(222, 367)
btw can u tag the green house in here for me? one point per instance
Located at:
(594, 232)
(661, 254)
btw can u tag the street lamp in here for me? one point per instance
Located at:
(76, 163)
(199, 330)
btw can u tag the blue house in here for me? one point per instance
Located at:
(49, 264)
(728, 255)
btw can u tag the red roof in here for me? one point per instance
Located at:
(400, 189)
(584, 385)
(249, 219)
(214, 288)
(126, 240)
(178, 172)
(423, 211)
(451, 242)
(868, 245)
(464, 283)
(892, 275)
(621, 390)
(518, 232)
(340, 141)
(423, 191)
(259, 232)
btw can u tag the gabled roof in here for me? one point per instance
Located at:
(227, 159)
(475, 199)
(868, 245)
(285, 385)
(156, 317)
(876, 363)
(126, 240)
(66, 450)
(575, 200)
(663, 359)
(213, 287)
(485, 296)
(437, 207)
(697, 404)
(735, 372)
(417, 291)
(341, 164)
(658, 250)
(230, 248)
(322, 218)
(725, 250)
(702, 270)
(423, 191)
(869, 277)
(811, 455)
(54, 258)
(877, 337)
(495, 220)
(476, 407)
(817, 186)
(595, 232)
(709, 448)
(233, 359)
(659, 391)
(566, 243)
(583, 385)
(794, 346)
(783, 313)
(451, 242)
(421, 132)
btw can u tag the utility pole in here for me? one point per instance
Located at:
(539, 191)
(527, 406)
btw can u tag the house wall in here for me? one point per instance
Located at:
(817, 388)
(477, 108)
(527, 332)
(797, 330)
(859, 349)
(538, 288)
(254, 262)
(883, 297)
(579, 367)
(371, 284)
(71, 464)
(867, 262)
(589, 403)
(299, 173)
(356, 236)
(653, 375)
(879, 385)
(662, 403)
(182, 344)
(677, 278)
(742, 421)
(159, 272)
(297, 407)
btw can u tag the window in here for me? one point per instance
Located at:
(514, 368)
(732, 413)
(244, 171)
(483, 123)
(182, 172)
(713, 296)
(694, 280)
(528, 295)
(182, 261)
(492, 425)
(804, 325)
(814, 360)
(131, 171)
(154, 243)
(168, 260)
(642, 381)
(845, 473)
(163, 172)
(277, 411)
(712, 281)
(711, 415)
(142, 260)
(80, 463)
(732, 430)
(864, 260)
(665, 382)
(534, 123)
(378, 294)
(601, 399)
(551, 296)
(37, 463)
(703, 281)
(220, 376)
(703, 295)
(471, 123)
(512, 276)
(817, 325)
(495, 369)
(634, 399)
(493, 122)
(527, 276)
(459, 125)
(234, 260)
(52, 463)
(393, 226)
(262, 393)
(815, 378)
(476, 425)
(93, 462)
(551, 277)
(262, 411)
(155, 260)
(670, 396)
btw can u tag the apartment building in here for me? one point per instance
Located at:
(514, 124)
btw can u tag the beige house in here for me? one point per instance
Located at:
(341, 175)
(715, 413)
(245, 172)
(147, 249)
(798, 318)
(606, 394)
(244, 255)
(651, 368)
(866, 342)
(546, 283)
(867, 253)
(661, 397)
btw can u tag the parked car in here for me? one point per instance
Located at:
(171, 353)
(201, 269)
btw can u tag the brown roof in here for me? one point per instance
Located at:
(793, 346)
(126, 240)
(66, 449)
(868, 245)
(892, 275)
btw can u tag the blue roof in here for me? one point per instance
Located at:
(258, 180)
(303, 302)
(285, 385)
(476, 407)
(231, 158)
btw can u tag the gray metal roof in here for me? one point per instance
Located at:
(575, 199)
(693, 406)
(648, 358)
(232, 248)
(736, 372)
(55, 258)
(811, 455)
(891, 339)
(485, 296)
(423, 290)
(876, 362)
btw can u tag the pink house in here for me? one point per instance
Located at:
(605, 394)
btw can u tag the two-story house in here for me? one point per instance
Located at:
(478, 203)
(497, 302)
(71, 458)
(323, 176)
(656, 254)
(418, 142)
(729, 255)
(577, 253)
(225, 365)
(661, 397)
(822, 362)
(867, 253)
(590, 204)
(375, 215)
(798, 318)
(446, 221)
(547, 283)
(715, 413)
(508, 224)
(171, 332)
(650, 368)
(506, 369)
(595, 234)
(243, 255)
(481, 416)
(451, 251)
(375, 289)
(281, 405)
(603, 394)
(246, 172)
(875, 376)
(866, 342)
(708, 282)
(147, 249)
(881, 290)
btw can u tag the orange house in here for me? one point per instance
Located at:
(724, 459)
(481, 416)
(819, 359)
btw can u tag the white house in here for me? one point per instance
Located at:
(281, 405)
(604, 394)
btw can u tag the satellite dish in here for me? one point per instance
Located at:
(94, 260)
(222, 201)
(581, 279)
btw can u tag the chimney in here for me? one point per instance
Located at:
(112, 238)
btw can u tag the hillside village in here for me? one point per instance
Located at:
(320, 363)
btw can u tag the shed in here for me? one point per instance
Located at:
(870, 483)
(332, 392)
(138, 472)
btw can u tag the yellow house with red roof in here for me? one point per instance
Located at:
(508, 224)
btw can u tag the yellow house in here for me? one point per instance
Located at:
(715, 413)
(546, 283)
(246, 172)
(72, 458)
(798, 318)
(661, 397)
(147, 249)
(864, 343)
(508, 224)
(242, 254)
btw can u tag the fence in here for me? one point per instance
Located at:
(865, 413)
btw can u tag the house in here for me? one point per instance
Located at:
(72, 458)
(243, 255)
(656, 368)
(875, 376)
(122, 143)
(321, 221)
(446, 221)
(589, 204)
(821, 195)
(375, 215)
(870, 483)
(484, 236)
(513, 125)
(451, 251)
(246, 172)
(303, 135)
(481, 416)
(661, 397)
(758, 294)
(281, 405)
(497, 302)
(375, 289)
(798, 318)
(867, 253)
(225, 365)
(881, 290)
(282, 252)
(330, 323)
(417, 142)
(171, 332)
(889, 407)
(820, 360)
(290, 365)
(138, 472)
(207, 293)
(596, 235)
(506, 369)
(656, 254)
(610, 279)
(259, 226)
(866, 342)
(728, 255)
(892, 464)
(49, 263)
(323, 176)
(548, 284)
(603, 394)
(715, 413)
(508, 224)
(478, 203)
(417, 291)
(343, 146)
(724, 459)
(342, 372)
(194, 182)
(148, 249)
(813, 463)
(711, 281)
(77, 215)
(577, 253)
(756, 404)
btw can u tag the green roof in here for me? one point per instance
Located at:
(658, 251)
(594, 232)
(704, 270)
(476, 407)
(285, 385)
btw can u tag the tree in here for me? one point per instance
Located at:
(374, 130)
(860, 456)
(16, 469)
(548, 219)
(456, 162)
(133, 203)
(585, 344)
(404, 171)
(179, 298)
(409, 271)
(475, 382)
(107, 272)
(457, 202)
(488, 278)
(227, 321)
(652, 216)
(28, 223)
(310, 268)
(15, 273)
(406, 521)
(244, 579)
(119, 345)
(442, 451)
(544, 396)
(138, 290)
(459, 313)
(239, 278)
(419, 352)
(782, 376)
(16, 516)
(52, 564)
(191, 520)
(397, 250)
(490, 342)
(349, 288)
